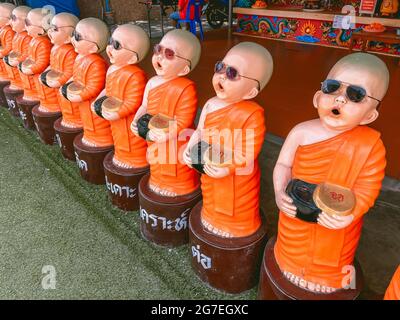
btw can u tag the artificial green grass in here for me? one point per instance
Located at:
(50, 216)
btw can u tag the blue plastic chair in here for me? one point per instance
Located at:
(197, 17)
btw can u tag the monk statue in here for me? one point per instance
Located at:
(6, 39)
(49, 82)
(393, 291)
(171, 94)
(123, 94)
(19, 52)
(38, 54)
(231, 188)
(20, 45)
(89, 39)
(62, 59)
(389, 7)
(329, 174)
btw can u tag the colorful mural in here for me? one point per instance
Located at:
(305, 30)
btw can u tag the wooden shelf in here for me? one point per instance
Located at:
(323, 15)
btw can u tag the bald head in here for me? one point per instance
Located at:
(187, 45)
(366, 67)
(65, 19)
(134, 38)
(40, 17)
(94, 30)
(6, 9)
(22, 11)
(258, 61)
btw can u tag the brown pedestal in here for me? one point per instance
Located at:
(274, 286)
(227, 264)
(122, 184)
(45, 124)
(65, 139)
(164, 220)
(90, 160)
(3, 99)
(11, 97)
(25, 111)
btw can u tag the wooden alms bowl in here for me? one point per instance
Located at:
(160, 121)
(334, 199)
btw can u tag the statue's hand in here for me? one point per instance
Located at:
(285, 204)
(134, 127)
(335, 221)
(53, 83)
(109, 115)
(215, 172)
(158, 135)
(186, 157)
(26, 70)
(74, 97)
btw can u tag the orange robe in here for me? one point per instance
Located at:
(393, 291)
(355, 159)
(6, 41)
(176, 98)
(127, 85)
(90, 71)
(62, 60)
(231, 203)
(39, 52)
(20, 44)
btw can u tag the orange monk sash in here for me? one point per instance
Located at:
(224, 188)
(168, 103)
(350, 158)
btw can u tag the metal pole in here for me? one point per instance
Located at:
(230, 17)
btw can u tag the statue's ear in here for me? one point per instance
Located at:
(185, 71)
(317, 95)
(370, 117)
(252, 94)
(93, 48)
(133, 59)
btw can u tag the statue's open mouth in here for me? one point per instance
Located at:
(220, 86)
(336, 112)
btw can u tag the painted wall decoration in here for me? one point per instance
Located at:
(305, 30)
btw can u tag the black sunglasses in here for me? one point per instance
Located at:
(118, 46)
(354, 93)
(78, 37)
(232, 73)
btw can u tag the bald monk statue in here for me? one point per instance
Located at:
(125, 85)
(89, 39)
(340, 149)
(231, 192)
(20, 45)
(170, 93)
(6, 39)
(393, 290)
(62, 60)
(38, 54)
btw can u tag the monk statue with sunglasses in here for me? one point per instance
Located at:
(6, 38)
(328, 176)
(225, 148)
(118, 103)
(19, 52)
(62, 58)
(89, 73)
(89, 39)
(169, 107)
